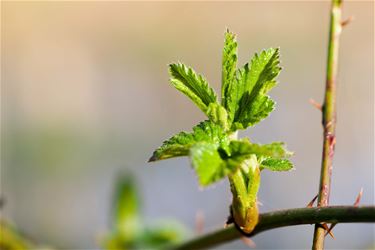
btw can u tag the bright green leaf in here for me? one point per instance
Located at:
(235, 91)
(212, 163)
(249, 102)
(180, 144)
(193, 85)
(276, 164)
(208, 164)
(228, 69)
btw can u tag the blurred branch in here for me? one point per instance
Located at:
(284, 218)
(329, 117)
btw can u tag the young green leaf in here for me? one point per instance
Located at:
(180, 144)
(212, 163)
(193, 85)
(228, 69)
(271, 156)
(275, 150)
(249, 102)
(276, 164)
(235, 92)
(207, 163)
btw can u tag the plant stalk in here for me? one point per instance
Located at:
(244, 185)
(284, 218)
(329, 117)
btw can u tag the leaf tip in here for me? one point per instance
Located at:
(153, 158)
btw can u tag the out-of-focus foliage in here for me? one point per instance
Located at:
(10, 239)
(128, 230)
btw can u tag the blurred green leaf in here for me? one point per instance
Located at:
(128, 230)
(165, 233)
(10, 239)
(126, 208)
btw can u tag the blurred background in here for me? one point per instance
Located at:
(85, 96)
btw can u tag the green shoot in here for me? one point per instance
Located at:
(212, 146)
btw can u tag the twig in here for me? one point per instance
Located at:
(329, 117)
(284, 218)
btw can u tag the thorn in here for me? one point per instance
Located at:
(248, 242)
(316, 104)
(329, 229)
(358, 199)
(199, 222)
(347, 21)
(228, 222)
(356, 203)
(230, 219)
(311, 203)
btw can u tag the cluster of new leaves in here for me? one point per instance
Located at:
(129, 231)
(244, 102)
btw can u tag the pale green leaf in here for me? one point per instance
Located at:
(180, 144)
(276, 164)
(193, 85)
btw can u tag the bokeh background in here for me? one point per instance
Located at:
(85, 96)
